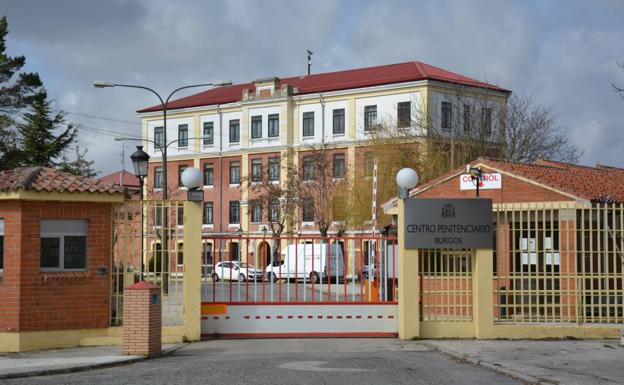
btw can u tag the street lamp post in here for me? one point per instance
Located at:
(164, 104)
(162, 146)
(140, 160)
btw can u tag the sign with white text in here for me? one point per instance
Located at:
(488, 182)
(448, 223)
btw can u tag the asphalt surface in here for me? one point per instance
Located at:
(294, 361)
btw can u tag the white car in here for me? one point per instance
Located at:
(236, 271)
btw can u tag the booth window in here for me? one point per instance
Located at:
(63, 245)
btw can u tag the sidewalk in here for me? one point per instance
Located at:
(570, 362)
(52, 361)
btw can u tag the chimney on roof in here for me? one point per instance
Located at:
(265, 87)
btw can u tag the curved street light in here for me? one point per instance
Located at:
(163, 147)
(164, 104)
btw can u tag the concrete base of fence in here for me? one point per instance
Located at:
(27, 341)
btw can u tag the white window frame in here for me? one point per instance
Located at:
(58, 228)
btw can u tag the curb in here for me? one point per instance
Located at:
(527, 379)
(88, 367)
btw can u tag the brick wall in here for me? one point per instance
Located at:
(35, 300)
(142, 332)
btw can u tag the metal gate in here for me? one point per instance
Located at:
(299, 287)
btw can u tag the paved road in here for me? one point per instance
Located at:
(294, 361)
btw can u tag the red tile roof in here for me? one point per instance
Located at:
(333, 81)
(123, 178)
(43, 179)
(596, 184)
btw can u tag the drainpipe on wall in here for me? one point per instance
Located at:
(322, 118)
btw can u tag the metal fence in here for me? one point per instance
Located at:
(303, 269)
(445, 285)
(559, 263)
(154, 256)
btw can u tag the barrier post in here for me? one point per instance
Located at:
(483, 294)
(408, 298)
(192, 270)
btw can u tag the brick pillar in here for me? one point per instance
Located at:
(142, 319)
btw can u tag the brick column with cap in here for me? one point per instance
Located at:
(142, 315)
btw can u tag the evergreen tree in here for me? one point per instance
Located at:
(17, 90)
(39, 146)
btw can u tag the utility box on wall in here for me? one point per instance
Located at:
(142, 328)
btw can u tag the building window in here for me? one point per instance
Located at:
(308, 123)
(256, 127)
(1, 244)
(183, 135)
(158, 177)
(63, 244)
(208, 175)
(208, 212)
(308, 168)
(180, 254)
(256, 170)
(369, 164)
(308, 210)
(274, 169)
(180, 220)
(338, 127)
(487, 121)
(446, 116)
(180, 171)
(158, 214)
(256, 211)
(208, 134)
(339, 166)
(234, 251)
(234, 212)
(404, 114)
(159, 136)
(234, 131)
(274, 208)
(273, 125)
(234, 172)
(370, 118)
(466, 118)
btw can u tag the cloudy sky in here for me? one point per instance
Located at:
(564, 53)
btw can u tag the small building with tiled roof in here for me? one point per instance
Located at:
(55, 257)
(125, 179)
(557, 241)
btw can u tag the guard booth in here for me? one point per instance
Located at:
(553, 267)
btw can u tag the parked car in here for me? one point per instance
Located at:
(310, 262)
(236, 271)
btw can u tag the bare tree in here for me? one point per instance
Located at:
(321, 193)
(278, 197)
(531, 133)
(619, 88)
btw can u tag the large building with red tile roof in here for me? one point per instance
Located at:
(272, 123)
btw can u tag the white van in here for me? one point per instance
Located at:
(310, 262)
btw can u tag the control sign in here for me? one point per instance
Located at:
(448, 223)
